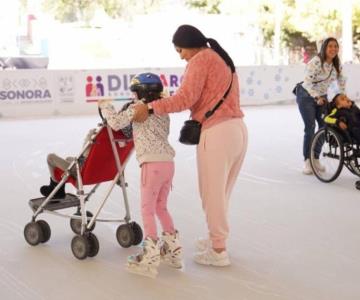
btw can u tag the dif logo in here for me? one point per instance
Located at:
(94, 88)
(119, 85)
(95, 85)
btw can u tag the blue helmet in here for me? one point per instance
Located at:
(146, 82)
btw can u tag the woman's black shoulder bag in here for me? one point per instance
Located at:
(191, 130)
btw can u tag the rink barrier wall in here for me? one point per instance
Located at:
(34, 92)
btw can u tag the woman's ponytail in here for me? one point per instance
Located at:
(219, 50)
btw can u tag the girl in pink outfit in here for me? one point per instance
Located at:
(155, 156)
(223, 141)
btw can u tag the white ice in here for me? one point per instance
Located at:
(292, 237)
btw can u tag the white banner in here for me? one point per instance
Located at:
(36, 92)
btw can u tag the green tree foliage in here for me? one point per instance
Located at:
(208, 6)
(83, 10)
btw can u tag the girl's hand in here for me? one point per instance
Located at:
(141, 112)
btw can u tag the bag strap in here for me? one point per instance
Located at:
(316, 82)
(209, 113)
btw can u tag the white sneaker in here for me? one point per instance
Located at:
(171, 250)
(212, 258)
(146, 262)
(319, 166)
(202, 244)
(307, 168)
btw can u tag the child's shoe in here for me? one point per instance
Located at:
(146, 262)
(171, 250)
(46, 190)
(307, 167)
(211, 258)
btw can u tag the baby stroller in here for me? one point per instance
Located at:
(108, 154)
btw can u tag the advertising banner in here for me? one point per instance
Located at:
(37, 92)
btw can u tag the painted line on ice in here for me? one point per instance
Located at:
(18, 287)
(266, 179)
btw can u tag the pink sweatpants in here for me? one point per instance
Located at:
(220, 154)
(156, 180)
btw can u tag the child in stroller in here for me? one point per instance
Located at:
(56, 162)
(155, 156)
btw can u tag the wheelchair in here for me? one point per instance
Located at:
(333, 148)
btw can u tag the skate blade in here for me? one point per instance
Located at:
(142, 270)
(173, 263)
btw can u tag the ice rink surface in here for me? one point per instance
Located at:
(292, 237)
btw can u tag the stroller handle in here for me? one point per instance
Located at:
(101, 115)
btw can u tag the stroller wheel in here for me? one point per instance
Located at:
(138, 234)
(94, 245)
(357, 185)
(75, 224)
(80, 246)
(33, 233)
(45, 229)
(125, 235)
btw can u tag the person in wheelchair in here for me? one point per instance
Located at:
(346, 115)
(155, 156)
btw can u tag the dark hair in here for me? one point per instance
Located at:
(335, 97)
(187, 36)
(322, 54)
(149, 96)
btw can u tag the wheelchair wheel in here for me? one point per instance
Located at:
(75, 224)
(327, 147)
(125, 235)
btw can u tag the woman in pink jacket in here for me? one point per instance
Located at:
(221, 150)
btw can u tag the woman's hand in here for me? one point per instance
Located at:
(320, 101)
(141, 112)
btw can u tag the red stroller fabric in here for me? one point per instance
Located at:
(100, 165)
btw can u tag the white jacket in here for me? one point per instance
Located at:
(150, 137)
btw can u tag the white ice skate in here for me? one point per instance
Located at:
(146, 262)
(171, 250)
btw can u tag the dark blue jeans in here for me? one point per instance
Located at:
(310, 112)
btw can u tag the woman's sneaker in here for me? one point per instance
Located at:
(171, 250)
(211, 258)
(307, 168)
(202, 244)
(146, 262)
(318, 166)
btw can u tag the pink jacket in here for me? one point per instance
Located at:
(205, 81)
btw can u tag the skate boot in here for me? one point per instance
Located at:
(171, 250)
(146, 262)
(46, 190)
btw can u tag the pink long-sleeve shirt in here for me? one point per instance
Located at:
(205, 81)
